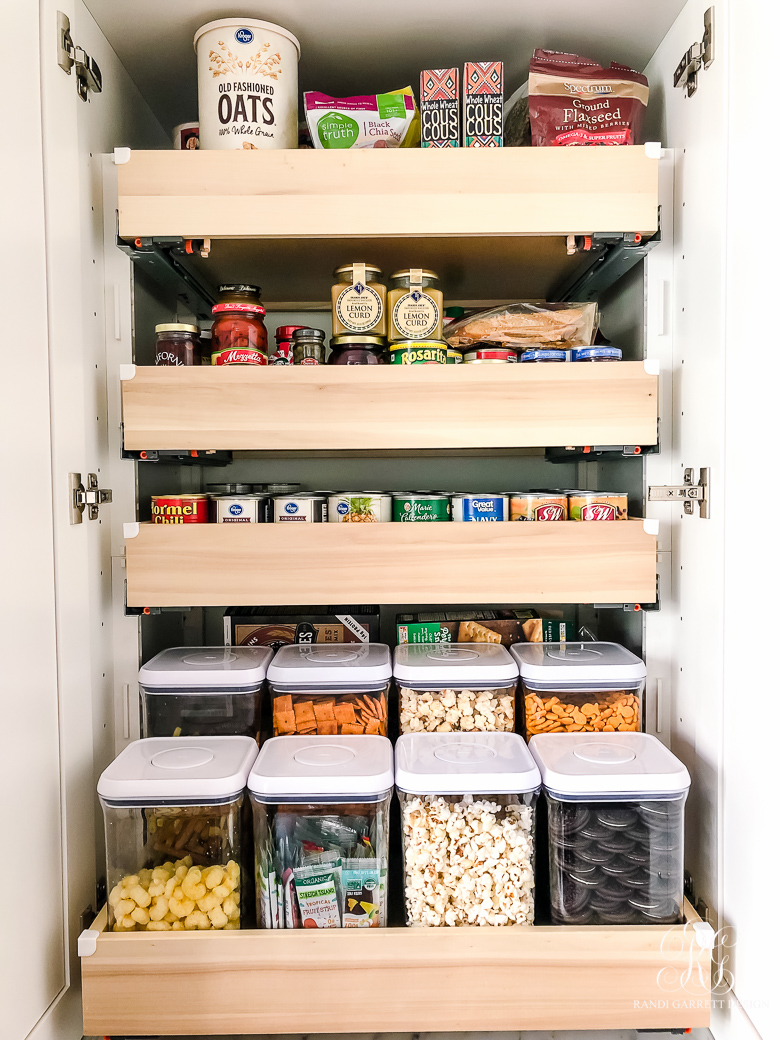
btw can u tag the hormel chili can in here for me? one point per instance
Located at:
(180, 509)
(594, 505)
(536, 506)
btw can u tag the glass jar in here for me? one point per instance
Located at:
(283, 355)
(359, 300)
(239, 335)
(308, 347)
(355, 350)
(415, 305)
(177, 345)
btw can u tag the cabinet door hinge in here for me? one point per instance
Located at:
(90, 498)
(88, 74)
(698, 56)
(687, 492)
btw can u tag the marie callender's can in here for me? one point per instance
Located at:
(410, 507)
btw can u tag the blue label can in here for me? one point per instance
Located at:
(480, 507)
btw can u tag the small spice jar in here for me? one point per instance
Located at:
(177, 345)
(359, 300)
(355, 350)
(308, 347)
(239, 335)
(283, 355)
(415, 305)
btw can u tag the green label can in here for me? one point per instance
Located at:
(418, 352)
(411, 508)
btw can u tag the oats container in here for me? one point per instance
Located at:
(247, 85)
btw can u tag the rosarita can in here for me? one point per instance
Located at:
(411, 507)
(480, 507)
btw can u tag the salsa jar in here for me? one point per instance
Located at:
(415, 305)
(359, 300)
(283, 355)
(355, 350)
(239, 335)
(177, 345)
(308, 347)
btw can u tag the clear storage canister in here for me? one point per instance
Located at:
(580, 687)
(174, 853)
(329, 689)
(468, 811)
(446, 687)
(203, 691)
(321, 817)
(615, 821)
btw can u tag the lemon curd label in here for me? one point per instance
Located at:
(359, 307)
(415, 315)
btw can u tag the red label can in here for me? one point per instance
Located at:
(180, 509)
(533, 506)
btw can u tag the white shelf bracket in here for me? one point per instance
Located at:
(128, 372)
(653, 149)
(131, 530)
(652, 366)
(87, 942)
(705, 935)
(650, 527)
(121, 156)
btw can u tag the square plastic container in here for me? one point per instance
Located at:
(447, 687)
(174, 853)
(203, 691)
(321, 816)
(468, 813)
(336, 688)
(615, 822)
(580, 687)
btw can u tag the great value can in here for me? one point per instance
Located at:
(308, 509)
(237, 509)
(409, 508)
(480, 507)
(367, 507)
(180, 509)
(594, 505)
(538, 506)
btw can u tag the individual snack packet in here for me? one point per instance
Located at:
(574, 101)
(363, 121)
(523, 325)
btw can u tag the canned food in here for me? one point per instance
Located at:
(595, 505)
(308, 509)
(370, 507)
(180, 509)
(419, 352)
(480, 507)
(539, 506)
(496, 354)
(236, 509)
(454, 357)
(278, 489)
(598, 354)
(411, 507)
(543, 355)
(230, 489)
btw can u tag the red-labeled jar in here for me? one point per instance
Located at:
(283, 355)
(239, 335)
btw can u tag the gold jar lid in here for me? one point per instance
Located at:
(358, 339)
(373, 273)
(174, 327)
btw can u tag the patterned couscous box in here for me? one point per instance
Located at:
(483, 104)
(439, 108)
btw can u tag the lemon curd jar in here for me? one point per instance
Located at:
(359, 300)
(414, 305)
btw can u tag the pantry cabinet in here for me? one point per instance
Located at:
(104, 200)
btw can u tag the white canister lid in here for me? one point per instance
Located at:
(323, 664)
(172, 770)
(192, 668)
(464, 763)
(323, 769)
(252, 23)
(580, 766)
(453, 663)
(577, 662)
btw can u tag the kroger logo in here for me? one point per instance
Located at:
(235, 509)
(291, 507)
(244, 35)
(342, 508)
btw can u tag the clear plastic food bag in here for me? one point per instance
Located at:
(524, 325)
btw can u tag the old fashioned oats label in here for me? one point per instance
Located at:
(359, 307)
(415, 315)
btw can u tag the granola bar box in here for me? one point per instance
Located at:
(483, 626)
(283, 626)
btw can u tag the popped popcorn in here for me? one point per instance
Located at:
(448, 711)
(468, 859)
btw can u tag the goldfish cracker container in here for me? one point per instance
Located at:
(460, 792)
(321, 817)
(175, 859)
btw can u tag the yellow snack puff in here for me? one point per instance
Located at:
(140, 916)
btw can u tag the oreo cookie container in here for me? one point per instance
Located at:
(615, 827)
(301, 509)
(480, 507)
(412, 507)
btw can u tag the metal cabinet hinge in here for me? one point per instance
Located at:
(69, 56)
(90, 498)
(687, 492)
(698, 56)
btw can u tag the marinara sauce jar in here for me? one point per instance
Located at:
(239, 335)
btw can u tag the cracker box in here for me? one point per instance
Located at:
(483, 104)
(483, 626)
(439, 108)
(281, 626)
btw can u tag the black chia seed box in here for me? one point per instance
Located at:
(281, 626)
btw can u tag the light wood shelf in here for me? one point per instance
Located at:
(398, 979)
(175, 565)
(405, 408)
